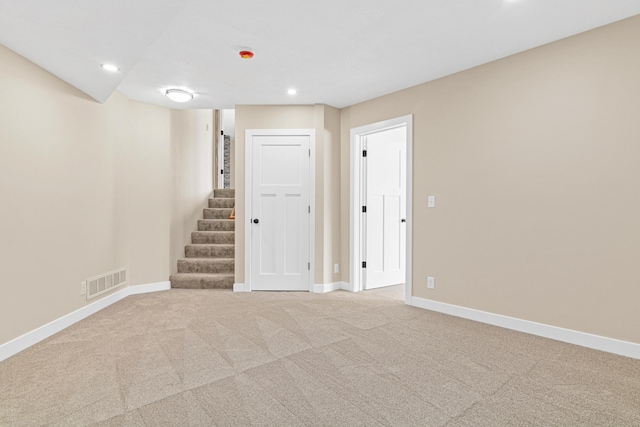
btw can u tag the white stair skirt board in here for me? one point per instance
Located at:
(25, 341)
(241, 287)
(596, 342)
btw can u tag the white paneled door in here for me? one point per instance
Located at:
(280, 212)
(385, 200)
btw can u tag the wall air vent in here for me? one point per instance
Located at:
(103, 283)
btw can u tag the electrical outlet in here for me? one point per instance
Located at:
(83, 288)
(336, 268)
(431, 282)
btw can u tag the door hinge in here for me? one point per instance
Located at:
(221, 132)
(364, 209)
(308, 266)
(221, 171)
(309, 152)
(364, 153)
(364, 264)
(309, 208)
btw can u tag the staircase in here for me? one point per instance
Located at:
(209, 260)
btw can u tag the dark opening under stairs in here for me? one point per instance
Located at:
(209, 259)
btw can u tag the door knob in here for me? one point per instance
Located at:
(403, 220)
(255, 221)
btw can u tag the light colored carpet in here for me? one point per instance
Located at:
(203, 357)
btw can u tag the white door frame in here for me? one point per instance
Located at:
(220, 160)
(357, 134)
(248, 183)
(220, 154)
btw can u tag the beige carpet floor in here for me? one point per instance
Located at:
(201, 358)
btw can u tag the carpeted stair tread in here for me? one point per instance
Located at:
(222, 203)
(206, 265)
(213, 237)
(210, 251)
(207, 260)
(202, 281)
(226, 193)
(216, 225)
(217, 213)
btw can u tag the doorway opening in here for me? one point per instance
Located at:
(225, 149)
(381, 207)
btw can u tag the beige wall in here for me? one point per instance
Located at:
(149, 201)
(324, 120)
(328, 197)
(534, 161)
(191, 175)
(232, 163)
(83, 191)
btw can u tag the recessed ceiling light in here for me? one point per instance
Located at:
(110, 67)
(179, 95)
(292, 91)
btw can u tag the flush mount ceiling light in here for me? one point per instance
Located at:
(179, 95)
(110, 67)
(245, 54)
(292, 91)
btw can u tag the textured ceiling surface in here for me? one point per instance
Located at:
(337, 52)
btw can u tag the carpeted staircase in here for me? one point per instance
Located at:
(209, 262)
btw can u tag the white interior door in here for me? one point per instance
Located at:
(280, 212)
(384, 169)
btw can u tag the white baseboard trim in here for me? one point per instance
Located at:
(323, 288)
(25, 341)
(241, 287)
(149, 288)
(610, 345)
(347, 287)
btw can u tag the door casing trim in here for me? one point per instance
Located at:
(248, 161)
(357, 135)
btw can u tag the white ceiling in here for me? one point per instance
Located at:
(337, 52)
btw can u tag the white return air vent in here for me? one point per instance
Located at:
(105, 282)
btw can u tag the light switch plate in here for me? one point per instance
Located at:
(431, 201)
(431, 282)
